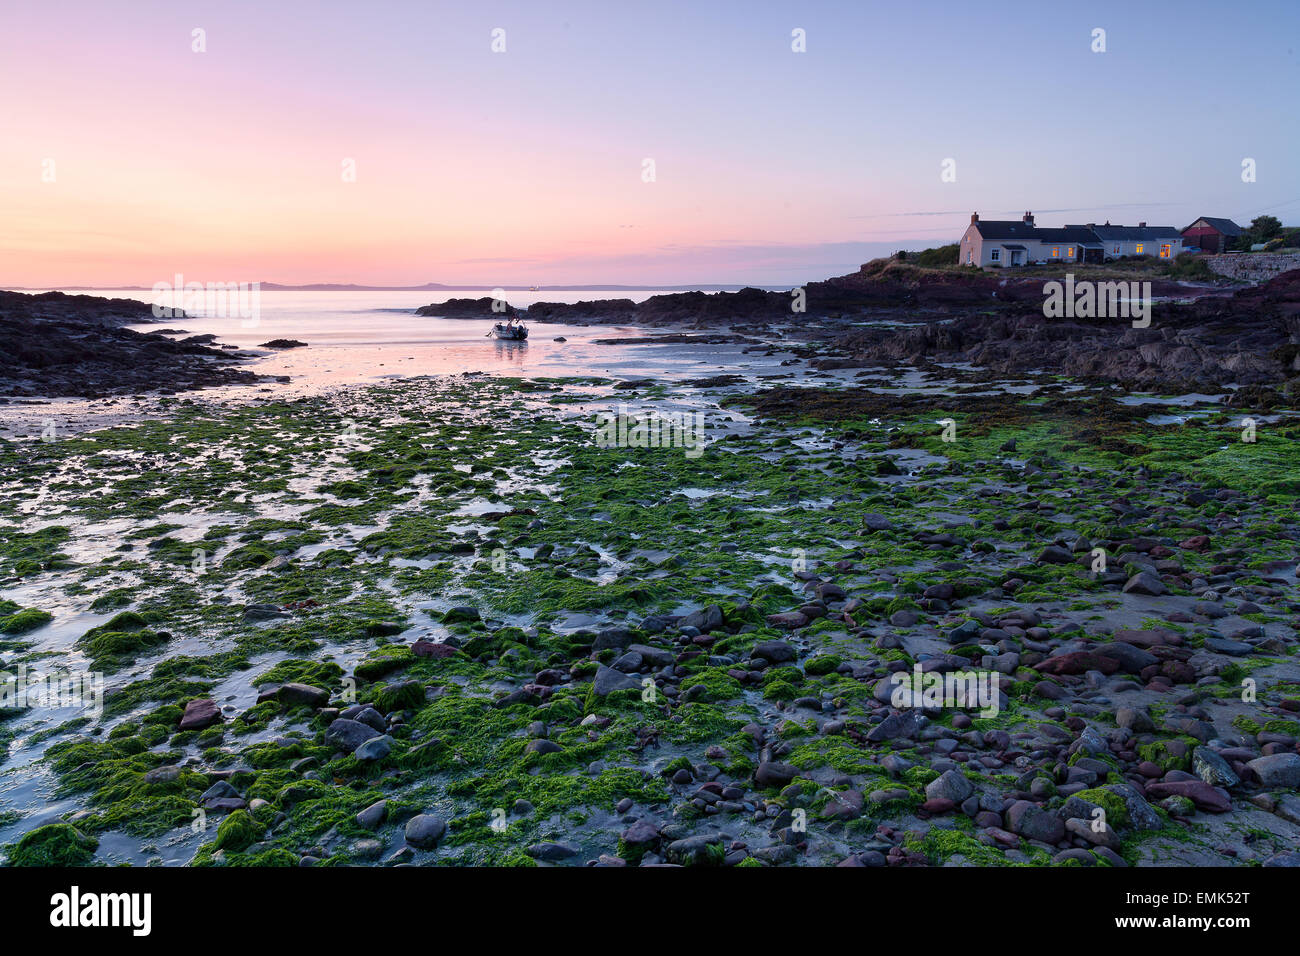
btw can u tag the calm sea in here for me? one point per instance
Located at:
(365, 336)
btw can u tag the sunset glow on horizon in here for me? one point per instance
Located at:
(526, 166)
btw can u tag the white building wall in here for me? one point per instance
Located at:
(1130, 247)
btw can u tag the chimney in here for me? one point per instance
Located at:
(1092, 225)
(1028, 219)
(974, 218)
(1108, 222)
(1142, 225)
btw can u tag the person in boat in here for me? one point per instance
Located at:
(510, 329)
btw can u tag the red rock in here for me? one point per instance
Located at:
(1206, 797)
(431, 649)
(200, 713)
(542, 691)
(787, 619)
(1078, 662)
(225, 804)
(1198, 542)
(938, 805)
(845, 806)
(1180, 672)
(1143, 638)
(1002, 836)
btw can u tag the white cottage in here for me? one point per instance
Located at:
(997, 243)
(1163, 242)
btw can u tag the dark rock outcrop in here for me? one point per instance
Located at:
(1251, 338)
(481, 308)
(59, 345)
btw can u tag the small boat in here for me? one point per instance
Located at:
(509, 330)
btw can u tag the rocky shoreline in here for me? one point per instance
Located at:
(1249, 338)
(58, 345)
(629, 656)
(896, 318)
(360, 628)
(878, 289)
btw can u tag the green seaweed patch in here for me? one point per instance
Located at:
(1117, 814)
(54, 844)
(120, 640)
(24, 621)
(384, 661)
(113, 773)
(317, 673)
(238, 831)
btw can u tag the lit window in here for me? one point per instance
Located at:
(1164, 251)
(1056, 252)
(1138, 250)
(1117, 248)
(1070, 252)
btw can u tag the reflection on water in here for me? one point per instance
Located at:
(355, 337)
(513, 352)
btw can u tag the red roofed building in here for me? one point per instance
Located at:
(1211, 235)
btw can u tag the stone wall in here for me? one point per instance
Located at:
(1254, 266)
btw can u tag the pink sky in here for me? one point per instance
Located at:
(526, 166)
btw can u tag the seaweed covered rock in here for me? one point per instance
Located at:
(55, 844)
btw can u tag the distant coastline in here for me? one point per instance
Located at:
(430, 287)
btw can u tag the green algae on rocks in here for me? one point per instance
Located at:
(468, 583)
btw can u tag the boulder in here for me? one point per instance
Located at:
(296, 694)
(199, 713)
(1206, 797)
(705, 619)
(608, 680)
(950, 785)
(775, 652)
(1213, 769)
(1277, 770)
(773, 774)
(376, 748)
(1034, 823)
(424, 830)
(1146, 583)
(348, 735)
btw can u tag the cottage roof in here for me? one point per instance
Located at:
(998, 230)
(1080, 234)
(1092, 237)
(1226, 226)
(1136, 233)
